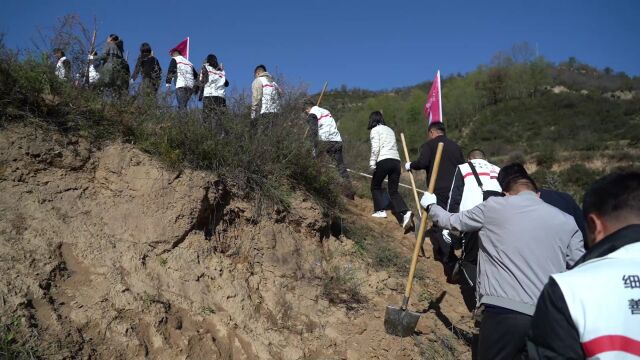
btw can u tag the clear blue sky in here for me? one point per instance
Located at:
(368, 44)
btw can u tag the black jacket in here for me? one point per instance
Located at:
(566, 204)
(149, 67)
(553, 333)
(451, 158)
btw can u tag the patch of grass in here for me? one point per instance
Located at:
(162, 261)
(442, 348)
(342, 287)
(11, 346)
(207, 310)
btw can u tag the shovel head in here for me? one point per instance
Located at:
(400, 322)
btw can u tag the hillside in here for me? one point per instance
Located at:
(569, 122)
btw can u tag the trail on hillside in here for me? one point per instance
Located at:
(106, 254)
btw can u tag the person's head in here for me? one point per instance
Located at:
(175, 52)
(58, 53)
(476, 154)
(113, 38)
(514, 179)
(260, 69)
(212, 60)
(436, 129)
(611, 203)
(145, 49)
(375, 119)
(308, 103)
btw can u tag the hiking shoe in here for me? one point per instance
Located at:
(406, 219)
(380, 214)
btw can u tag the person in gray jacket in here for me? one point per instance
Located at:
(523, 241)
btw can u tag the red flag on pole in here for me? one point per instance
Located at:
(182, 47)
(433, 107)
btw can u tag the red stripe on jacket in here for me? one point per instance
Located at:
(492, 176)
(607, 343)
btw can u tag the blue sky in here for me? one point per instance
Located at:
(368, 44)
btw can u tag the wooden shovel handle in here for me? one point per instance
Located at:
(413, 181)
(423, 227)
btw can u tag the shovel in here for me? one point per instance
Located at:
(400, 321)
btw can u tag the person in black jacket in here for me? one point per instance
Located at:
(451, 158)
(149, 68)
(593, 310)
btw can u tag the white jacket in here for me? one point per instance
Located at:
(465, 192)
(383, 145)
(327, 128)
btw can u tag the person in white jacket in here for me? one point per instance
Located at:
(385, 162)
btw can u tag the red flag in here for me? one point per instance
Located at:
(433, 107)
(182, 47)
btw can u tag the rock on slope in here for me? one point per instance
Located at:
(106, 254)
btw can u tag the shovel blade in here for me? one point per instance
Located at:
(398, 322)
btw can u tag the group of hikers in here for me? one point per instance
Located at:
(517, 242)
(545, 278)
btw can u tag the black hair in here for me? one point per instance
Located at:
(114, 37)
(145, 49)
(612, 194)
(438, 126)
(512, 174)
(58, 50)
(212, 60)
(308, 103)
(260, 67)
(476, 154)
(375, 119)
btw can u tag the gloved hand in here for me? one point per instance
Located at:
(428, 199)
(131, 81)
(168, 86)
(314, 153)
(372, 169)
(407, 166)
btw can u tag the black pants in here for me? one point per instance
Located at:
(212, 109)
(503, 334)
(183, 94)
(388, 168)
(334, 149)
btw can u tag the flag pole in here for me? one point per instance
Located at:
(440, 98)
(189, 50)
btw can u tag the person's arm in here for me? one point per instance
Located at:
(457, 189)
(375, 147)
(136, 70)
(553, 334)
(256, 98)
(312, 120)
(575, 249)
(204, 79)
(226, 82)
(67, 69)
(157, 70)
(424, 159)
(172, 71)
(469, 220)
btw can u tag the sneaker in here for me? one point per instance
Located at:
(380, 214)
(406, 220)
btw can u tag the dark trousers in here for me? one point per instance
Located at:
(212, 109)
(388, 168)
(263, 122)
(334, 149)
(183, 94)
(148, 87)
(503, 334)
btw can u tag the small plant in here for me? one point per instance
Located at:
(11, 346)
(163, 261)
(208, 310)
(342, 287)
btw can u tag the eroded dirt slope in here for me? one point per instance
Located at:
(106, 254)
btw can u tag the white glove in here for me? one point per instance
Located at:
(131, 81)
(372, 168)
(428, 199)
(167, 85)
(407, 166)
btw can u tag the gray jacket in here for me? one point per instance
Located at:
(523, 241)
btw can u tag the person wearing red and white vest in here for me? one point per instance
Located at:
(326, 136)
(593, 310)
(213, 80)
(63, 65)
(185, 74)
(265, 94)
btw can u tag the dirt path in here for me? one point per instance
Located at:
(445, 330)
